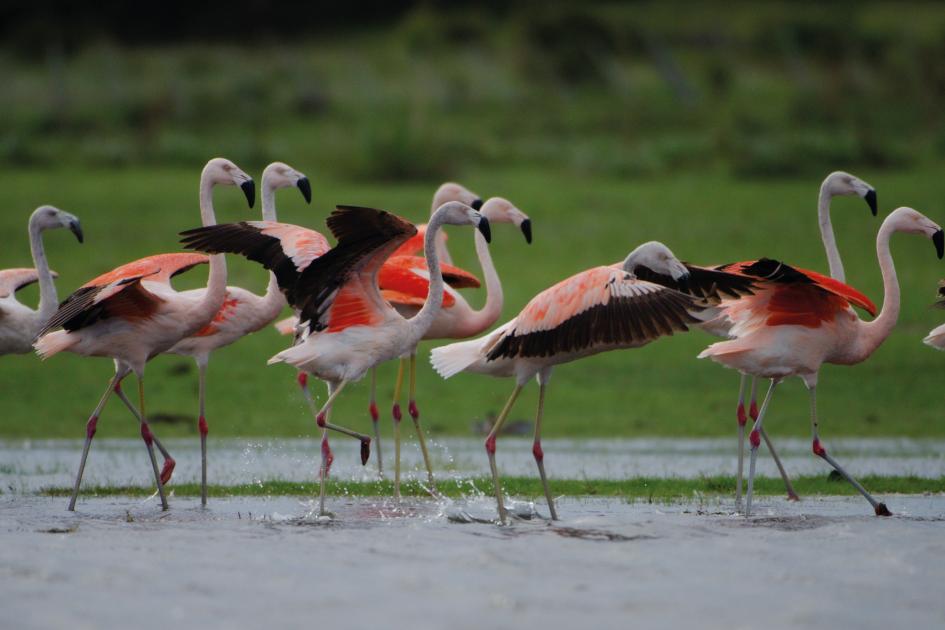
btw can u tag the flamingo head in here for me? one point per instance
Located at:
(221, 171)
(451, 191)
(500, 210)
(49, 218)
(457, 213)
(280, 175)
(841, 183)
(914, 222)
(656, 257)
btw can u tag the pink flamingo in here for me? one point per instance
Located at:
(132, 313)
(600, 309)
(20, 324)
(406, 291)
(243, 312)
(835, 184)
(347, 326)
(936, 338)
(406, 265)
(800, 320)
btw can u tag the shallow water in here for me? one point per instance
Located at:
(28, 465)
(268, 562)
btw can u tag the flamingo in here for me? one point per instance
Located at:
(404, 283)
(406, 257)
(347, 325)
(599, 309)
(838, 183)
(936, 337)
(132, 313)
(19, 324)
(243, 312)
(800, 320)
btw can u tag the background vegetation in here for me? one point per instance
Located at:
(610, 124)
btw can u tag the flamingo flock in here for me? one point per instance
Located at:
(387, 284)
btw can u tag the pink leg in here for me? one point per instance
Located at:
(90, 428)
(742, 420)
(168, 469)
(537, 451)
(753, 411)
(375, 416)
(490, 451)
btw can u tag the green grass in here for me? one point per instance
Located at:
(642, 488)
(578, 222)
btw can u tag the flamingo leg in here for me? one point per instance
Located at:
(90, 428)
(878, 507)
(539, 453)
(395, 411)
(372, 408)
(753, 412)
(755, 439)
(202, 426)
(148, 438)
(327, 457)
(322, 421)
(742, 420)
(168, 469)
(490, 449)
(415, 415)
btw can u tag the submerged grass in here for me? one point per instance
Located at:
(639, 488)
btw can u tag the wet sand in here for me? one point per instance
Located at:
(247, 562)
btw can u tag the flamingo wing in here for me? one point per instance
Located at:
(285, 249)
(777, 272)
(413, 246)
(711, 284)
(12, 280)
(119, 292)
(340, 288)
(596, 307)
(408, 270)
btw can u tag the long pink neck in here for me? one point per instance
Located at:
(48, 300)
(216, 282)
(826, 233)
(273, 301)
(421, 322)
(488, 315)
(873, 334)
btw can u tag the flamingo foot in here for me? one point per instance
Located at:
(365, 450)
(882, 510)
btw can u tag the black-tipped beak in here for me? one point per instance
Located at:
(476, 204)
(306, 188)
(76, 228)
(871, 201)
(484, 228)
(939, 239)
(527, 230)
(249, 189)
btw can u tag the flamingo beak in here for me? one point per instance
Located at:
(306, 188)
(939, 239)
(526, 228)
(76, 228)
(484, 228)
(249, 189)
(365, 451)
(476, 204)
(871, 201)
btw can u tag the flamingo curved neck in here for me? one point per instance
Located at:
(421, 322)
(874, 333)
(486, 316)
(48, 300)
(827, 235)
(273, 301)
(216, 281)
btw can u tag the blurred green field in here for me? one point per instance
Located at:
(579, 221)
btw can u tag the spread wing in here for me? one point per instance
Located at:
(598, 307)
(711, 284)
(339, 289)
(775, 271)
(285, 249)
